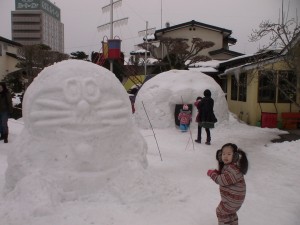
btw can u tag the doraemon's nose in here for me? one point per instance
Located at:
(83, 108)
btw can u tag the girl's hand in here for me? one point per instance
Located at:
(210, 172)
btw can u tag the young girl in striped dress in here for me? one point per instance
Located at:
(233, 165)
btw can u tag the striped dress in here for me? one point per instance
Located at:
(233, 192)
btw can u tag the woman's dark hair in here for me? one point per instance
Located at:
(4, 87)
(198, 98)
(238, 155)
(207, 93)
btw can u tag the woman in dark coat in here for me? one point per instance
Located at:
(5, 110)
(207, 117)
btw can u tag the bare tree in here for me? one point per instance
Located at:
(179, 54)
(280, 33)
(79, 55)
(284, 35)
(35, 58)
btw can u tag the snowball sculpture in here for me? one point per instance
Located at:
(78, 133)
(159, 96)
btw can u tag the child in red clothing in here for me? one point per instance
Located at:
(233, 165)
(198, 99)
(185, 118)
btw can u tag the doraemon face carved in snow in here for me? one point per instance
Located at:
(77, 118)
(75, 100)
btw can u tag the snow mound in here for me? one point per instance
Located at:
(158, 97)
(79, 138)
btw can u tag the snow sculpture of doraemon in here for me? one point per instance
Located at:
(78, 132)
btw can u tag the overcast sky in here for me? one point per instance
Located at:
(81, 19)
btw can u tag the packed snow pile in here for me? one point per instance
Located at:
(78, 140)
(53, 182)
(159, 96)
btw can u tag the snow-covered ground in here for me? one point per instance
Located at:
(122, 174)
(189, 196)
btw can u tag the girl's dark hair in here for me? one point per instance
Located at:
(219, 159)
(198, 98)
(239, 156)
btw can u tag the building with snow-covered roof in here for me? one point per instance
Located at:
(263, 87)
(193, 29)
(9, 56)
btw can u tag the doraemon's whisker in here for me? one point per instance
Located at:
(36, 115)
(52, 122)
(113, 114)
(115, 122)
(116, 117)
(110, 105)
(52, 104)
(49, 91)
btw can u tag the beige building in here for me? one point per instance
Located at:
(193, 29)
(263, 88)
(8, 56)
(37, 22)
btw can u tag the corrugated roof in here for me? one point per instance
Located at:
(194, 23)
(2, 39)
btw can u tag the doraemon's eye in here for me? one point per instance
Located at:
(91, 91)
(72, 91)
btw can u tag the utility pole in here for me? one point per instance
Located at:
(146, 33)
(112, 22)
(146, 53)
(161, 5)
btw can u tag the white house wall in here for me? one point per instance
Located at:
(199, 32)
(7, 63)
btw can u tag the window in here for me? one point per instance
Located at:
(243, 87)
(277, 84)
(266, 86)
(286, 86)
(234, 88)
(224, 86)
(239, 89)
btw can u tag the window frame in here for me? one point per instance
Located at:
(266, 88)
(242, 88)
(292, 78)
(234, 89)
(239, 89)
(274, 86)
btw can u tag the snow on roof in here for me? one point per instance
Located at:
(204, 69)
(251, 64)
(210, 63)
(238, 57)
(140, 51)
(210, 66)
(257, 54)
(150, 61)
(150, 37)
